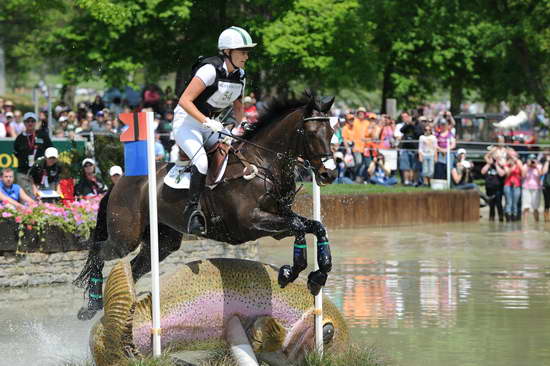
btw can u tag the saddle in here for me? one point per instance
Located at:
(179, 174)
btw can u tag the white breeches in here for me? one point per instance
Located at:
(190, 136)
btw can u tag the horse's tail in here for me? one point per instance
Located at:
(94, 263)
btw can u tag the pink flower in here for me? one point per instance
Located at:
(6, 214)
(18, 219)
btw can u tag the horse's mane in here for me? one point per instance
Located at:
(275, 111)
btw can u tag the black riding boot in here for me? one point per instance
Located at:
(193, 218)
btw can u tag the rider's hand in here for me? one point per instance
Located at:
(214, 125)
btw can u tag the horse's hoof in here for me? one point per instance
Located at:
(315, 282)
(86, 314)
(285, 275)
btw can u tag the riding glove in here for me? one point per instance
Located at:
(214, 125)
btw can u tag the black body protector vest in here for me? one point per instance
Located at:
(223, 92)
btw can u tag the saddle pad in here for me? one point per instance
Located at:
(179, 177)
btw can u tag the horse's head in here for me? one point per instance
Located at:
(318, 133)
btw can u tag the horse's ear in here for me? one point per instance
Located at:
(323, 104)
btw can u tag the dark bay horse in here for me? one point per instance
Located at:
(237, 210)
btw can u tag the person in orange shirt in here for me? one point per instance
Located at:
(360, 126)
(347, 130)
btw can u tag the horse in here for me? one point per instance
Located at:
(253, 200)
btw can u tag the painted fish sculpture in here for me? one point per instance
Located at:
(196, 303)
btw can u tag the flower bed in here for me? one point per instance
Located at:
(47, 227)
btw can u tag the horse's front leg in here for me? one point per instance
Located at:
(317, 279)
(279, 227)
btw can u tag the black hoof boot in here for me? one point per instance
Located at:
(286, 275)
(86, 314)
(315, 282)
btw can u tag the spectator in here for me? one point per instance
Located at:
(115, 173)
(11, 192)
(341, 169)
(4, 126)
(97, 105)
(360, 125)
(427, 147)
(407, 155)
(461, 175)
(116, 106)
(97, 125)
(165, 130)
(90, 184)
(152, 97)
(531, 173)
(494, 171)
(46, 173)
(28, 147)
(84, 129)
(386, 134)
(15, 126)
(160, 153)
(546, 185)
(512, 186)
(250, 111)
(379, 173)
(371, 148)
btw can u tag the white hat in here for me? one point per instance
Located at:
(461, 151)
(115, 170)
(233, 38)
(63, 118)
(88, 160)
(51, 152)
(247, 99)
(9, 114)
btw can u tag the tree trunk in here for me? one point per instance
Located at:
(457, 95)
(2, 70)
(68, 93)
(533, 76)
(387, 85)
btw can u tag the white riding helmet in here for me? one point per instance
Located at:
(233, 38)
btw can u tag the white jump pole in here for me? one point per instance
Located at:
(155, 282)
(319, 297)
(448, 163)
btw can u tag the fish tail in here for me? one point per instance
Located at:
(111, 339)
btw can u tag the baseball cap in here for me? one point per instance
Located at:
(9, 114)
(532, 157)
(51, 152)
(247, 99)
(88, 161)
(63, 118)
(461, 151)
(99, 113)
(362, 109)
(30, 115)
(115, 170)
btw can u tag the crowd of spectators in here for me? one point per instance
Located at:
(369, 148)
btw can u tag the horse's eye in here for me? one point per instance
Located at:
(328, 332)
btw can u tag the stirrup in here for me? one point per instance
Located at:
(197, 215)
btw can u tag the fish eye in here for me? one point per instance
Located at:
(328, 332)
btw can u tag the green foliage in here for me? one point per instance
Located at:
(109, 151)
(409, 50)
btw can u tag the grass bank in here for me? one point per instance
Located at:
(361, 189)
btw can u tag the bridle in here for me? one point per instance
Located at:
(310, 155)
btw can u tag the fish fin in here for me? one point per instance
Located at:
(267, 334)
(120, 306)
(144, 307)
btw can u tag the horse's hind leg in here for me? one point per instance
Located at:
(169, 241)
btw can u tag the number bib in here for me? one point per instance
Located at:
(226, 94)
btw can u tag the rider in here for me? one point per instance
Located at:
(218, 82)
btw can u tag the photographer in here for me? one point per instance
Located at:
(512, 186)
(494, 172)
(531, 173)
(461, 175)
(379, 173)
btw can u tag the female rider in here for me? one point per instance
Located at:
(218, 82)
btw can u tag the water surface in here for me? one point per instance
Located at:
(460, 294)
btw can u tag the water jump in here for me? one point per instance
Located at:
(202, 304)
